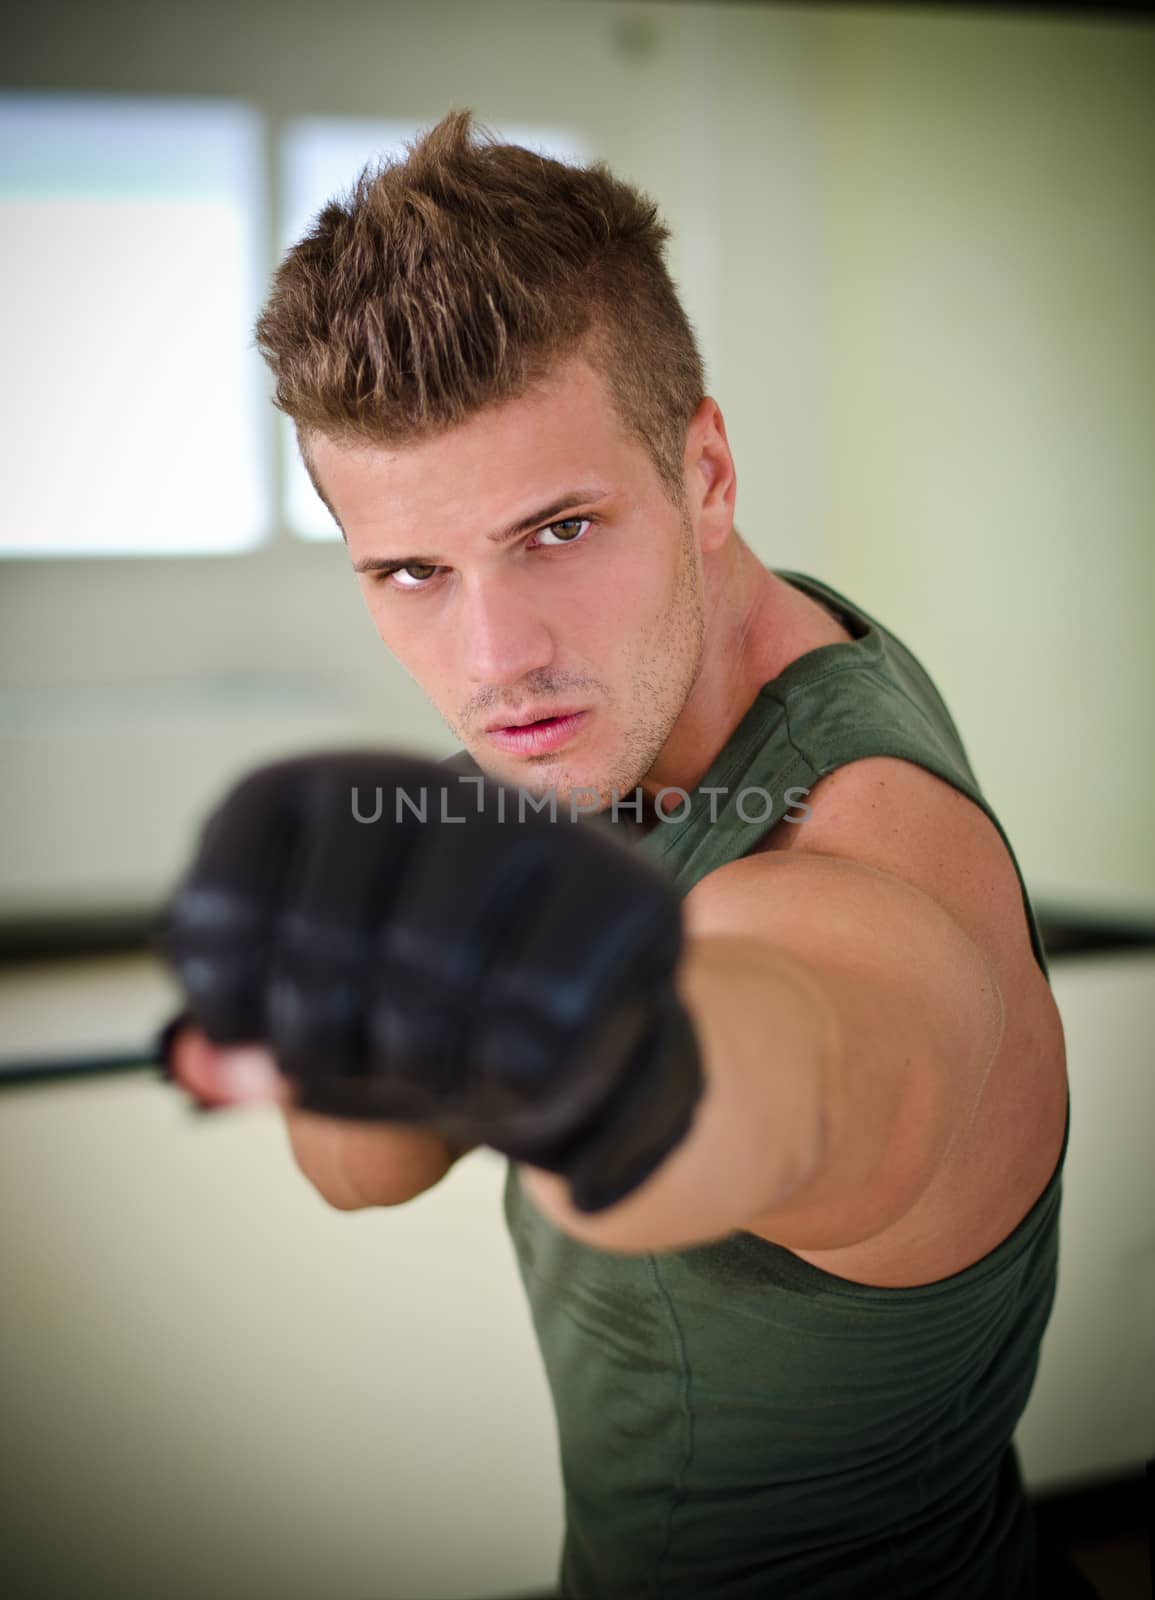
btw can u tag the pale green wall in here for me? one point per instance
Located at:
(991, 405)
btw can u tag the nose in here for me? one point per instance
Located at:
(503, 638)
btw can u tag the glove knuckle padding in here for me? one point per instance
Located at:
(344, 880)
(282, 887)
(221, 926)
(508, 979)
(516, 966)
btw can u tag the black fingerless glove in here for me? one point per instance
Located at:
(412, 945)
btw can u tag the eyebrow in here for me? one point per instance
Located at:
(535, 519)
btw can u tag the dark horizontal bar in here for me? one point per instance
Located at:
(1064, 934)
(60, 938)
(24, 940)
(1135, 12)
(55, 1069)
(1073, 934)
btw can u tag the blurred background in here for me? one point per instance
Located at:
(918, 245)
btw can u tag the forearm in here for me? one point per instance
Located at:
(767, 1035)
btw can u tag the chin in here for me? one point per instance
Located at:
(564, 782)
(538, 777)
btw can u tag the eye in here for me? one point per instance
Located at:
(414, 576)
(568, 531)
(417, 575)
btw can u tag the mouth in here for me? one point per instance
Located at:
(538, 735)
(530, 719)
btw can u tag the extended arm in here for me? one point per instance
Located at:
(847, 1024)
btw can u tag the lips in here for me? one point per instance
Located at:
(541, 737)
(524, 719)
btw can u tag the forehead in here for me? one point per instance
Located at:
(527, 451)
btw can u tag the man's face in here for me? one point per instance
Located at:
(589, 602)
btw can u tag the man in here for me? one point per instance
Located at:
(785, 1169)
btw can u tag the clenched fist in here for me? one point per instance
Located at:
(416, 946)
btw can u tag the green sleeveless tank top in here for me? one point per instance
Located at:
(735, 1423)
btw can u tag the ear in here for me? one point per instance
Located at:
(711, 482)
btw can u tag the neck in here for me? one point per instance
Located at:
(741, 650)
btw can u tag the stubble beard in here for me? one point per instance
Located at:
(661, 680)
(661, 686)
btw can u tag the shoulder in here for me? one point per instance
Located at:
(900, 820)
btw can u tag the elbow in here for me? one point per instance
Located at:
(331, 1183)
(355, 1166)
(340, 1199)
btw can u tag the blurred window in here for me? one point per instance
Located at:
(133, 410)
